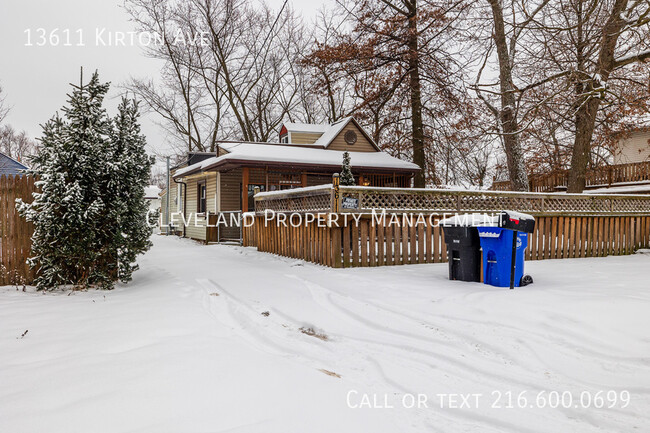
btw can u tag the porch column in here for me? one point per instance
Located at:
(244, 189)
(303, 179)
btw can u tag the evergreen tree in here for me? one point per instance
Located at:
(132, 167)
(84, 216)
(347, 178)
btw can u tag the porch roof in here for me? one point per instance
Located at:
(261, 155)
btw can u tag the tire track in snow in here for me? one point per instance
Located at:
(509, 333)
(454, 364)
(243, 319)
(323, 297)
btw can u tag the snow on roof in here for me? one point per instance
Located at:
(329, 132)
(332, 132)
(307, 127)
(10, 166)
(255, 152)
(151, 192)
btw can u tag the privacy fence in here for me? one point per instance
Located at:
(15, 232)
(348, 233)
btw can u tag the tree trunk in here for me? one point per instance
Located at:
(416, 98)
(588, 101)
(507, 114)
(585, 124)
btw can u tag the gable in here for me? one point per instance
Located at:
(362, 143)
(9, 166)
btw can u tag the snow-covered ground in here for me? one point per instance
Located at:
(186, 348)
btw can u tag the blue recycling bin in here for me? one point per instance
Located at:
(496, 243)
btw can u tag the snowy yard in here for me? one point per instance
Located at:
(186, 348)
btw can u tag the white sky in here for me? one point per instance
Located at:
(35, 79)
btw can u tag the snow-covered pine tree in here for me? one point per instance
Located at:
(84, 204)
(66, 214)
(132, 168)
(347, 178)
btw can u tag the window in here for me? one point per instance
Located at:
(284, 139)
(251, 194)
(201, 198)
(179, 197)
(350, 137)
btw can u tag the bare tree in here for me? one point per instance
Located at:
(509, 22)
(4, 109)
(17, 145)
(616, 45)
(565, 77)
(238, 83)
(394, 58)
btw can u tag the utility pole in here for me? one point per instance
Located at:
(169, 224)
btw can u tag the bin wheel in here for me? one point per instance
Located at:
(526, 280)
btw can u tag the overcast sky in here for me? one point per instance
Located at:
(35, 79)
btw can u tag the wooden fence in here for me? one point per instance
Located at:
(593, 226)
(15, 232)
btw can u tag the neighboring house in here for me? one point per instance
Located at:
(9, 166)
(307, 155)
(633, 147)
(152, 195)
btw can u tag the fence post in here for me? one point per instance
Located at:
(336, 193)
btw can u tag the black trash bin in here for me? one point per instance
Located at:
(463, 252)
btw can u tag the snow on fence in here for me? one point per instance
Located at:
(15, 232)
(568, 225)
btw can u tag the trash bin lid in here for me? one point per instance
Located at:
(519, 221)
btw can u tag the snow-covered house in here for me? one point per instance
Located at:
(152, 195)
(9, 166)
(305, 155)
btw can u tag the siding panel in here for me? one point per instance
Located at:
(362, 144)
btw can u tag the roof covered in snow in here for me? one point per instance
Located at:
(251, 154)
(328, 132)
(152, 192)
(9, 166)
(313, 128)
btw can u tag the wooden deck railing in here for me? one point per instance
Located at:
(597, 177)
(567, 225)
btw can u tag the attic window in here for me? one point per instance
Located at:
(350, 137)
(284, 138)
